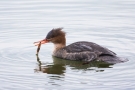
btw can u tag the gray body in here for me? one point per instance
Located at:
(87, 51)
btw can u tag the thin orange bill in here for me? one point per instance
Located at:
(41, 41)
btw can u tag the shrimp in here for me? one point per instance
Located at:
(39, 45)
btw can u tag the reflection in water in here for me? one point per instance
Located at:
(50, 69)
(59, 66)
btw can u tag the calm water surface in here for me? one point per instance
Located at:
(109, 23)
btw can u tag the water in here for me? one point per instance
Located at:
(108, 23)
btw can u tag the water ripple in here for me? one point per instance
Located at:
(108, 23)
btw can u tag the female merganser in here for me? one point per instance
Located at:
(85, 51)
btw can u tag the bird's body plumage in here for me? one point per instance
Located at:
(85, 51)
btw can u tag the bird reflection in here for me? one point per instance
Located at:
(59, 66)
(49, 69)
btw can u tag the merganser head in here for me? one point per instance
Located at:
(56, 36)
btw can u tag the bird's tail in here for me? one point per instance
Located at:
(112, 59)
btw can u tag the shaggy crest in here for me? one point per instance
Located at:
(55, 32)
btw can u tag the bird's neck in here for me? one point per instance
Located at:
(59, 45)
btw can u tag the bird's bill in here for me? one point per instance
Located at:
(41, 41)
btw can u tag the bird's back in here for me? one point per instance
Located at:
(89, 47)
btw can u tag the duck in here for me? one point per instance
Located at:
(80, 51)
